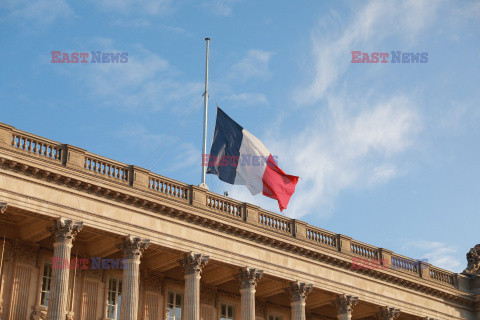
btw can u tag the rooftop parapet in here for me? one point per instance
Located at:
(362, 256)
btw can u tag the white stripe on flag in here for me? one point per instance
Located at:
(251, 174)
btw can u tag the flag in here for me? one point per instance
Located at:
(238, 157)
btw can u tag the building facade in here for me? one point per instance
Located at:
(89, 238)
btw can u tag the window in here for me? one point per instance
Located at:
(114, 298)
(228, 312)
(272, 317)
(46, 280)
(174, 306)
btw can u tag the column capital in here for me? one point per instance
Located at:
(133, 247)
(249, 277)
(298, 291)
(387, 313)
(344, 303)
(65, 229)
(3, 207)
(193, 263)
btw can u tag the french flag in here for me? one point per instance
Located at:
(238, 157)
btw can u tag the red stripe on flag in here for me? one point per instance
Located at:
(277, 184)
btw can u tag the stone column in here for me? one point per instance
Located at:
(344, 305)
(387, 313)
(193, 265)
(132, 248)
(298, 293)
(64, 232)
(248, 281)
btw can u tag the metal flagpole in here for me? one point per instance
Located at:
(205, 115)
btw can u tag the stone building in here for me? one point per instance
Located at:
(89, 238)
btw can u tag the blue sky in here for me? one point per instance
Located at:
(387, 153)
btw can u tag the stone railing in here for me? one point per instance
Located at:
(106, 167)
(73, 157)
(168, 187)
(440, 275)
(364, 250)
(224, 205)
(321, 236)
(274, 221)
(405, 264)
(35, 145)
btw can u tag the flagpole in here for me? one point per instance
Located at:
(205, 116)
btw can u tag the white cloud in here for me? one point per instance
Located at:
(374, 22)
(253, 65)
(438, 254)
(36, 14)
(337, 151)
(382, 174)
(146, 82)
(353, 139)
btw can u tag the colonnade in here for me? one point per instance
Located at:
(64, 232)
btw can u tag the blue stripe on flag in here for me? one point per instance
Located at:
(227, 139)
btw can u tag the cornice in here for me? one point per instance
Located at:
(99, 186)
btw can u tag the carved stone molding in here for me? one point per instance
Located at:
(193, 263)
(26, 252)
(473, 259)
(96, 274)
(387, 313)
(344, 303)
(133, 247)
(157, 206)
(65, 229)
(208, 295)
(277, 308)
(151, 282)
(249, 277)
(3, 207)
(227, 294)
(298, 291)
(39, 313)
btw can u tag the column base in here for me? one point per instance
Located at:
(39, 313)
(70, 315)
